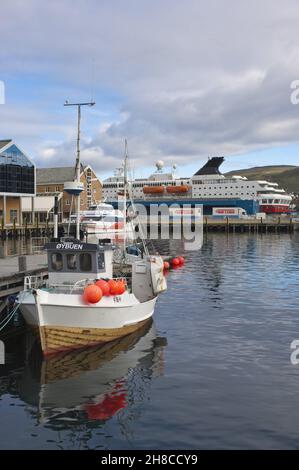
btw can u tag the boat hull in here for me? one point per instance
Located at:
(65, 322)
(274, 209)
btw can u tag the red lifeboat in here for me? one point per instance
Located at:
(153, 189)
(183, 188)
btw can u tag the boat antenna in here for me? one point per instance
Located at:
(77, 168)
(125, 194)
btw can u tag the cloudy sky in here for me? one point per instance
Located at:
(180, 79)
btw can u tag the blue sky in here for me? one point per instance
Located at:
(182, 81)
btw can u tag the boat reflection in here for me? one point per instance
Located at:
(94, 383)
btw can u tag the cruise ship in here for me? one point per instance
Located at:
(208, 186)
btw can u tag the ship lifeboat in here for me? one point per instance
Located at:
(153, 189)
(183, 188)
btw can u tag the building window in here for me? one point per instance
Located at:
(47, 189)
(57, 189)
(67, 202)
(13, 215)
(16, 172)
(27, 217)
(42, 217)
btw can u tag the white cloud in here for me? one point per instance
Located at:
(180, 80)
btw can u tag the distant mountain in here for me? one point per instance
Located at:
(287, 176)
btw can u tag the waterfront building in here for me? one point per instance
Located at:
(50, 183)
(17, 179)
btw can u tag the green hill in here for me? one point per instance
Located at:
(287, 176)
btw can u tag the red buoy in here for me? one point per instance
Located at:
(166, 265)
(175, 262)
(121, 287)
(113, 287)
(104, 286)
(181, 260)
(92, 294)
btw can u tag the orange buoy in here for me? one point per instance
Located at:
(166, 265)
(113, 287)
(92, 294)
(175, 262)
(121, 287)
(181, 260)
(104, 286)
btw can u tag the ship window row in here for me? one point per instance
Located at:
(218, 181)
(229, 187)
(112, 185)
(248, 193)
(224, 181)
(273, 201)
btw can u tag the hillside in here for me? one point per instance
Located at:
(287, 176)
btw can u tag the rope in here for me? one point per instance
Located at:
(6, 320)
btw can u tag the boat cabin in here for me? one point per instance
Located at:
(70, 260)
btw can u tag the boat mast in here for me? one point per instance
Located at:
(77, 168)
(125, 194)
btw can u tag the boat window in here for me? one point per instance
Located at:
(56, 261)
(112, 218)
(101, 262)
(92, 218)
(71, 261)
(85, 262)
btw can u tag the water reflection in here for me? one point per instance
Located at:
(22, 246)
(94, 384)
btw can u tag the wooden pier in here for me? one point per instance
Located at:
(13, 270)
(15, 231)
(210, 224)
(279, 225)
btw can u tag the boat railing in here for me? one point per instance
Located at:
(33, 282)
(76, 288)
(79, 286)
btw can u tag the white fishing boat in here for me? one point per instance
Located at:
(70, 310)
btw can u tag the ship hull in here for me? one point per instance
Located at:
(251, 206)
(274, 209)
(64, 322)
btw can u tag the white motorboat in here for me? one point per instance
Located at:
(103, 221)
(69, 311)
(112, 225)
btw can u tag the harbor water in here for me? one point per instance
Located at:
(213, 370)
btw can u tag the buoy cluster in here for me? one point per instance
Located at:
(94, 292)
(174, 263)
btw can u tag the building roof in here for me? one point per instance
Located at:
(55, 175)
(3, 143)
